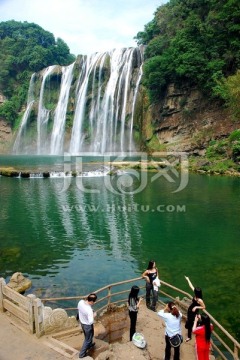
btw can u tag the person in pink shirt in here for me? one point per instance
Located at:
(202, 328)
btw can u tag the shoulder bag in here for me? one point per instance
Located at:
(175, 340)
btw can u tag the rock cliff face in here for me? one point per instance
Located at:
(185, 121)
(6, 137)
(5, 131)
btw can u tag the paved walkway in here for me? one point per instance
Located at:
(18, 345)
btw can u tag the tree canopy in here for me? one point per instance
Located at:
(25, 48)
(191, 41)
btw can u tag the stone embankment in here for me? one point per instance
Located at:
(113, 169)
(12, 172)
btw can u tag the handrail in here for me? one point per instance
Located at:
(108, 299)
(96, 292)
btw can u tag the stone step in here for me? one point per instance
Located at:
(61, 347)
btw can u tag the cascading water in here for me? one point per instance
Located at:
(57, 137)
(94, 110)
(77, 131)
(124, 82)
(22, 130)
(43, 115)
(110, 130)
(134, 103)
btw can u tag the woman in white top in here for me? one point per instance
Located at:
(172, 318)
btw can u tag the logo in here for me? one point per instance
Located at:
(128, 173)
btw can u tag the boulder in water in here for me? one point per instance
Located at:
(19, 283)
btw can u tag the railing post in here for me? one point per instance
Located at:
(2, 284)
(236, 352)
(109, 295)
(38, 316)
(31, 319)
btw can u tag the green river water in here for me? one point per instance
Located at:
(74, 237)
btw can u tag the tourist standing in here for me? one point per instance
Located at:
(202, 330)
(133, 305)
(86, 318)
(196, 305)
(150, 275)
(172, 318)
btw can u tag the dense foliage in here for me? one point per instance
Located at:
(229, 90)
(191, 41)
(25, 48)
(222, 156)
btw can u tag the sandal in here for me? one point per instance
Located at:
(187, 340)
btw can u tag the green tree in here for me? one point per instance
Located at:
(25, 48)
(62, 52)
(229, 90)
(150, 31)
(194, 42)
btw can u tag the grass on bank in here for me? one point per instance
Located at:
(221, 156)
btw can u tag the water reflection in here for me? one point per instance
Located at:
(52, 227)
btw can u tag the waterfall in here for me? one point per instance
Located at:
(134, 102)
(107, 125)
(127, 68)
(77, 132)
(43, 114)
(114, 102)
(57, 136)
(97, 94)
(19, 141)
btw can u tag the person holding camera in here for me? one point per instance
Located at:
(193, 309)
(202, 328)
(133, 305)
(173, 337)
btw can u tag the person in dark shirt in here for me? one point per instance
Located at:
(150, 275)
(133, 305)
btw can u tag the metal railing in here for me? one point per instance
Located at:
(223, 343)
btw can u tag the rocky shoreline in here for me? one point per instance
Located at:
(202, 167)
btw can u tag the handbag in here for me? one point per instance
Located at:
(139, 340)
(157, 282)
(175, 340)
